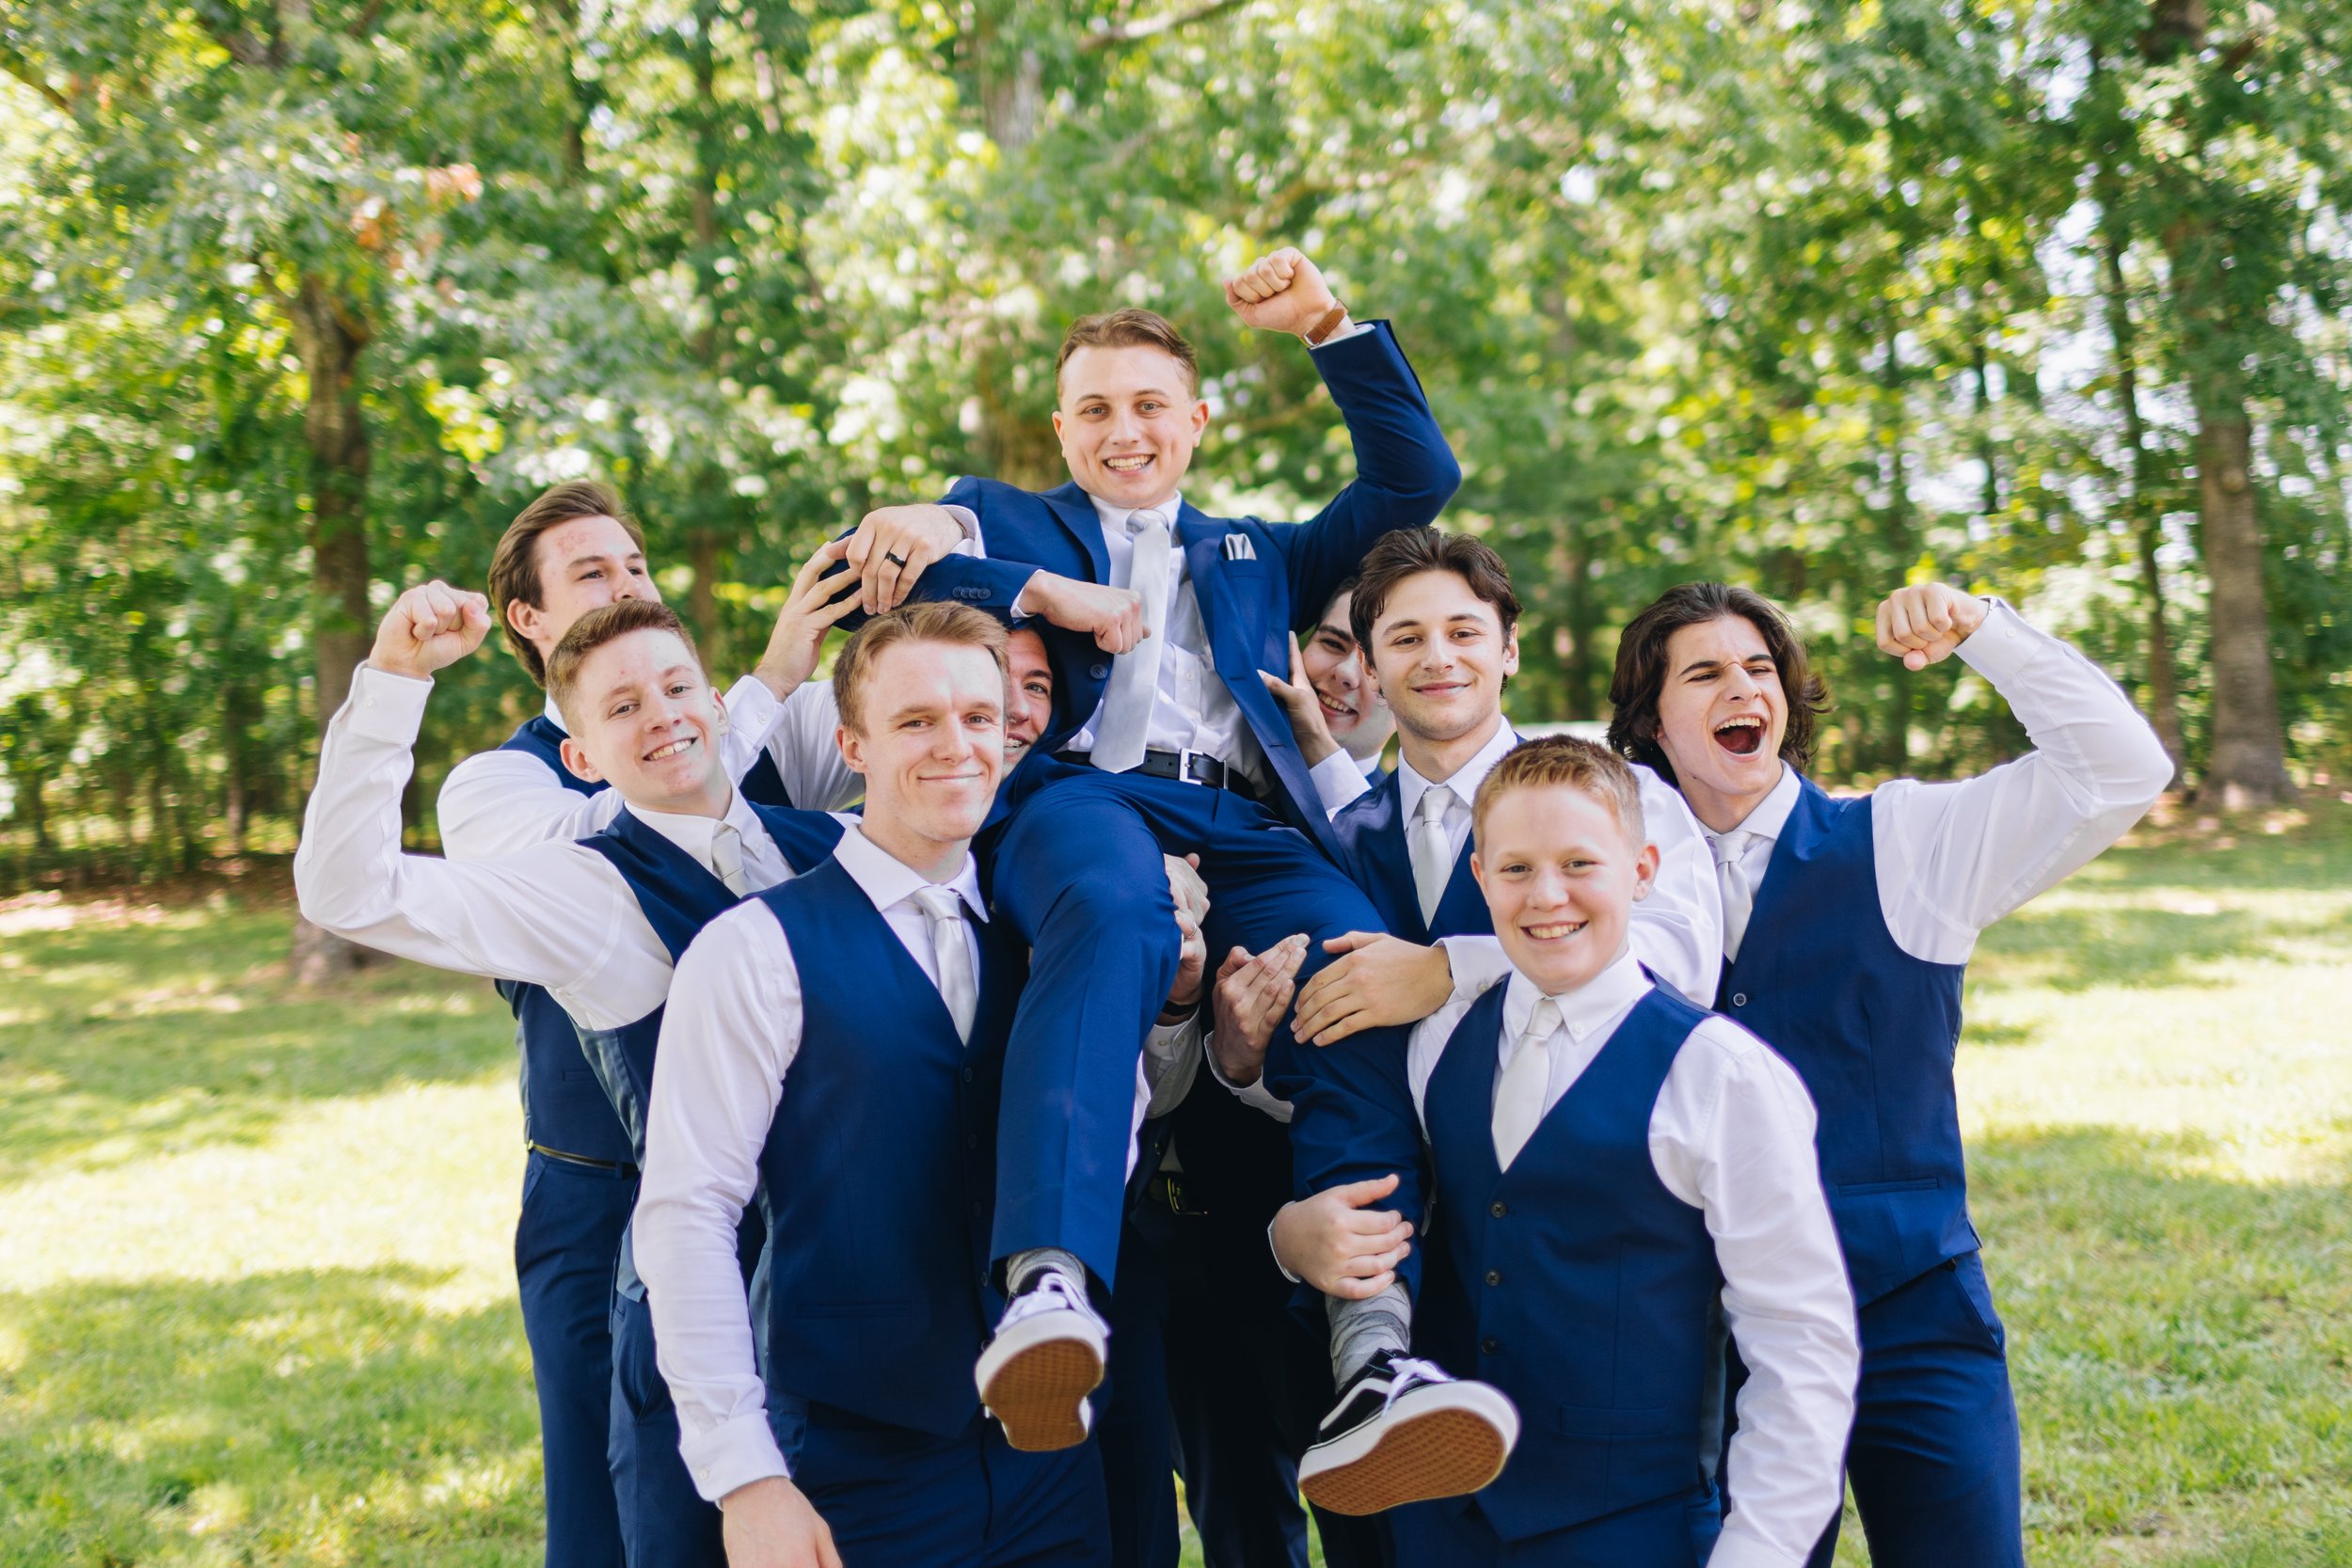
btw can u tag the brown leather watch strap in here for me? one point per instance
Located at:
(1315, 334)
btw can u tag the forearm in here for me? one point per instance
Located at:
(496, 803)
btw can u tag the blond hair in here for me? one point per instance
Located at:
(609, 624)
(936, 621)
(1563, 762)
(1129, 328)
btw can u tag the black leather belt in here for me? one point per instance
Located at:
(1191, 767)
(610, 1167)
(1167, 1188)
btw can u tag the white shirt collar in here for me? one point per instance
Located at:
(1411, 786)
(887, 881)
(694, 833)
(555, 715)
(1771, 812)
(1115, 518)
(1603, 998)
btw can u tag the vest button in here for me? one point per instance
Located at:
(1739, 999)
(1494, 1276)
(1098, 671)
(967, 1075)
(1489, 1345)
(1499, 1209)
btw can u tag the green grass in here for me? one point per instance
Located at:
(257, 1305)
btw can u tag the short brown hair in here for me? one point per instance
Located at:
(933, 621)
(515, 564)
(1410, 551)
(1565, 762)
(1129, 328)
(1640, 675)
(609, 624)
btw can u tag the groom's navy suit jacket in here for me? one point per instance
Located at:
(1251, 593)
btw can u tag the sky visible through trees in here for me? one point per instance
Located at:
(300, 300)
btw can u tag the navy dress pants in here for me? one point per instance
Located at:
(895, 1498)
(565, 1242)
(1674, 1533)
(665, 1521)
(1078, 873)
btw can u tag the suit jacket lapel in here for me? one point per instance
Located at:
(1388, 865)
(1461, 907)
(1074, 510)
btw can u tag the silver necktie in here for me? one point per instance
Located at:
(1739, 898)
(957, 985)
(1433, 852)
(726, 859)
(1118, 744)
(1519, 1096)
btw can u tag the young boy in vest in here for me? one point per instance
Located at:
(1618, 1176)
(1847, 925)
(835, 1049)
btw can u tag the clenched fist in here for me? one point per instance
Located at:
(429, 627)
(1923, 626)
(1282, 292)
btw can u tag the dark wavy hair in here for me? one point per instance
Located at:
(1641, 673)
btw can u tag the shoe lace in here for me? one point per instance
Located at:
(1406, 1371)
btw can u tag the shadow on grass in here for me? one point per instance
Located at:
(127, 1039)
(291, 1419)
(2182, 1346)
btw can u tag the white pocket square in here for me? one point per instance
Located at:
(1238, 546)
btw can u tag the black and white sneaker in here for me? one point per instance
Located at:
(1404, 1432)
(1047, 1356)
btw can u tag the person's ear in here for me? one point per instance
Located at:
(1199, 418)
(526, 618)
(576, 758)
(1645, 871)
(1511, 654)
(1478, 871)
(719, 707)
(852, 748)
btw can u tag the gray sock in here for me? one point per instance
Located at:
(1362, 1329)
(1023, 1266)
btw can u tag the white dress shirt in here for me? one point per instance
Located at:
(728, 1041)
(1731, 1136)
(1462, 785)
(499, 800)
(553, 913)
(1953, 858)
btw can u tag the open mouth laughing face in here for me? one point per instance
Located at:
(1722, 715)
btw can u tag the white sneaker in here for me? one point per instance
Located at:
(1047, 1356)
(1403, 1431)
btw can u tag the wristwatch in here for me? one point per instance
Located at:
(1314, 335)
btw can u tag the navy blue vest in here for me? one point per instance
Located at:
(563, 1105)
(879, 1175)
(1371, 830)
(1872, 1031)
(1574, 1282)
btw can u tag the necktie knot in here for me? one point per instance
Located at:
(1729, 848)
(1433, 801)
(727, 858)
(1542, 1020)
(940, 903)
(1143, 522)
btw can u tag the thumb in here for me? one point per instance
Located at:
(1351, 942)
(1277, 685)
(1234, 962)
(1358, 1195)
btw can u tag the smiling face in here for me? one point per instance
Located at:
(583, 565)
(644, 719)
(1721, 717)
(1129, 420)
(1030, 708)
(1352, 709)
(1440, 656)
(1561, 877)
(931, 745)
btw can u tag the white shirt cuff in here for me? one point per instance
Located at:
(2002, 646)
(1018, 612)
(969, 521)
(1353, 329)
(1338, 780)
(753, 709)
(1476, 963)
(737, 1453)
(1278, 1257)
(1256, 1095)
(387, 707)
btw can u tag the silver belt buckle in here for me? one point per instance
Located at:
(1184, 765)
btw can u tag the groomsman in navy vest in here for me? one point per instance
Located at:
(574, 549)
(598, 922)
(1618, 1176)
(1166, 740)
(836, 1052)
(1847, 927)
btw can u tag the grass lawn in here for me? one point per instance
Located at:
(257, 1304)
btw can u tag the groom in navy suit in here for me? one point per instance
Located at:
(1159, 619)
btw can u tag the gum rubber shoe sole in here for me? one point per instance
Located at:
(1038, 1389)
(1450, 1449)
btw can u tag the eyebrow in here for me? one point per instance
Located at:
(620, 689)
(578, 561)
(1698, 664)
(1105, 397)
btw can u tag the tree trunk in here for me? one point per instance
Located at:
(2248, 767)
(2164, 691)
(330, 336)
(706, 539)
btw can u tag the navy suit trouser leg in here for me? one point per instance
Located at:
(1934, 1463)
(664, 1520)
(1137, 1432)
(899, 1498)
(1674, 1533)
(566, 1241)
(1078, 873)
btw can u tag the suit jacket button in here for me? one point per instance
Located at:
(1739, 999)
(1499, 1209)
(1494, 1276)
(1099, 670)
(1489, 1346)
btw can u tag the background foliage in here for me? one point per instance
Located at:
(301, 299)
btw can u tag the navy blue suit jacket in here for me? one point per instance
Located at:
(1374, 852)
(1250, 595)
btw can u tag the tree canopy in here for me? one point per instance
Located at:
(300, 300)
